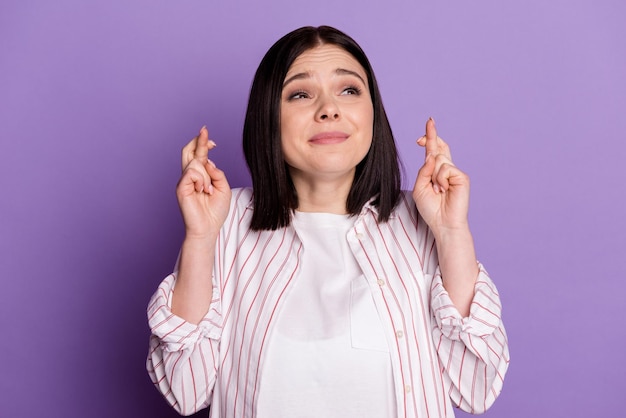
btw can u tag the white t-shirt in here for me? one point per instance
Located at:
(327, 354)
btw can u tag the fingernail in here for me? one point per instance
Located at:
(431, 118)
(203, 127)
(211, 163)
(210, 189)
(436, 188)
(212, 143)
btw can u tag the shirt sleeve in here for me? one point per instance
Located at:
(182, 359)
(473, 351)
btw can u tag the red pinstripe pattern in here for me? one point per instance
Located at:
(265, 334)
(423, 314)
(401, 377)
(264, 329)
(403, 318)
(440, 358)
(193, 383)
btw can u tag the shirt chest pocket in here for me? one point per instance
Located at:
(366, 329)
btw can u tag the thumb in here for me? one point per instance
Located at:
(218, 177)
(425, 174)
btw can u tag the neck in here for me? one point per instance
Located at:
(328, 196)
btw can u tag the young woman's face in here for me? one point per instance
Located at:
(326, 116)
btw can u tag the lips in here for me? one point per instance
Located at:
(326, 138)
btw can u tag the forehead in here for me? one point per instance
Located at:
(326, 57)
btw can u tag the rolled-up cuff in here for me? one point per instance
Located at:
(174, 333)
(485, 311)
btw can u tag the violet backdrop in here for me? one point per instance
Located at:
(97, 98)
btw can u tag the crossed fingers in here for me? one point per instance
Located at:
(438, 150)
(198, 147)
(195, 161)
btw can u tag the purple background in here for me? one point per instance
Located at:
(97, 98)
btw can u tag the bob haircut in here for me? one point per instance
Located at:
(377, 176)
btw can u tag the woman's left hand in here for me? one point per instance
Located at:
(441, 190)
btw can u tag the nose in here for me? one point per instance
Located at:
(328, 109)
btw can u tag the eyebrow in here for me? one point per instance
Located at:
(339, 71)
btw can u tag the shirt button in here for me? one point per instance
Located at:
(399, 334)
(380, 282)
(407, 388)
(360, 236)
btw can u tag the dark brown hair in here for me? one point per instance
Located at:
(274, 196)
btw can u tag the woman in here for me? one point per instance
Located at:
(325, 290)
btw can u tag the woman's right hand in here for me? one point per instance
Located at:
(203, 192)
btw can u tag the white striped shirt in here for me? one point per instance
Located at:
(439, 358)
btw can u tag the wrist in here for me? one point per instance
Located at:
(460, 232)
(195, 240)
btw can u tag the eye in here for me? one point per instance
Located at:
(351, 90)
(300, 94)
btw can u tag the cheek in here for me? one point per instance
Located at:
(288, 123)
(367, 120)
(287, 136)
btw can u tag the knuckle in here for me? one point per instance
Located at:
(447, 165)
(189, 145)
(189, 167)
(441, 159)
